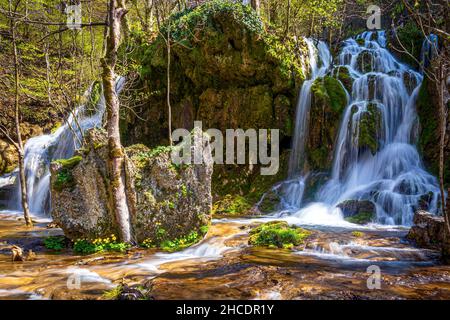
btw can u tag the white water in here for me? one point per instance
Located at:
(42, 150)
(393, 178)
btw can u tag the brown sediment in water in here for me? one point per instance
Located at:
(242, 272)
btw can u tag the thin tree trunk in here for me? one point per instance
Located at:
(19, 145)
(255, 5)
(116, 153)
(169, 107)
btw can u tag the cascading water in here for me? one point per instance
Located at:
(42, 150)
(389, 172)
(319, 60)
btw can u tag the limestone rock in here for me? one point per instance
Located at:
(167, 201)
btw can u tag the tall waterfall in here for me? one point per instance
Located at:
(392, 176)
(320, 61)
(40, 151)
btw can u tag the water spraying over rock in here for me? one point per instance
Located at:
(40, 151)
(375, 154)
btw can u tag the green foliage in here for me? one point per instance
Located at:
(85, 246)
(184, 24)
(369, 128)
(56, 243)
(411, 37)
(231, 205)
(278, 234)
(114, 293)
(331, 92)
(181, 243)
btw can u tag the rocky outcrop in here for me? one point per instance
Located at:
(358, 211)
(428, 230)
(429, 135)
(167, 201)
(328, 101)
(230, 73)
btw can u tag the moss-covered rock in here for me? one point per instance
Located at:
(429, 135)
(278, 234)
(358, 211)
(369, 129)
(342, 73)
(364, 61)
(328, 101)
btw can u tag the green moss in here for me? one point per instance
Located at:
(369, 128)
(361, 218)
(330, 92)
(412, 38)
(232, 205)
(278, 234)
(64, 178)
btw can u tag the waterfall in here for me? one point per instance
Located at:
(429, 49)
(40, 151)
(390, 172)
(319, 61)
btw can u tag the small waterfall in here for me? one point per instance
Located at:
(319, 60)
(429, 50)
(40, 151)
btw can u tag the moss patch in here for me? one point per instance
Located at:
(64, 178)
(278, 234)
(361, 218)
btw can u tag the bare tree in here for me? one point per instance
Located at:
(116, 160)
(18, 144)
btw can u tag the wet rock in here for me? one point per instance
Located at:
(342, 73)
(358, 211)
(166, 201)
(364, 61)
(133, 293)
(368, 131)
(428, 230)
(17, 254)
(328, 101)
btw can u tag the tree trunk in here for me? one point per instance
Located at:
(256, 5)
(116, 153)
(19, 145)
(169, 107)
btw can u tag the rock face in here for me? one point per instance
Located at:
(167, 201)
(358, 211)
(230, 73)
(428, 230)
(328, 101)
(429, 135)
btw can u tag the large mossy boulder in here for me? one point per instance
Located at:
(328, 101)
(227, 71)
(167, 201)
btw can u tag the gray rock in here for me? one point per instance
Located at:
(166, 201)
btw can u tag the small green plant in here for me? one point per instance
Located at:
(56, 243)
(85, 246)
(278, 234)
(357, 234)
(204, 229)
(114, 293)
(64, 177)
(180, 243)
(147, 244)
(184, 191)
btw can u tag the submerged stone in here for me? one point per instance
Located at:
(358, 211)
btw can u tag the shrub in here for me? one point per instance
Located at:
(56, 243)
(85, 246)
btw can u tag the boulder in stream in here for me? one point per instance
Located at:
(428, 230)
(166, 201)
